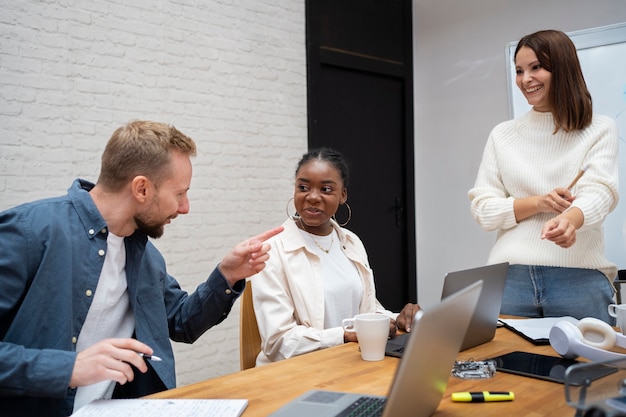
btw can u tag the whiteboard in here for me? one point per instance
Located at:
(602, 55)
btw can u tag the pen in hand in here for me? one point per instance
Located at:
(149, 357)
(580, 174)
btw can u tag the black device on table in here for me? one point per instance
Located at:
(549, 368)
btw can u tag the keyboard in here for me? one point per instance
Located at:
(365, 407)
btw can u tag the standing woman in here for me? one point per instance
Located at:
(318, 272)
(549, 231)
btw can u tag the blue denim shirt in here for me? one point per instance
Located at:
(51, 255)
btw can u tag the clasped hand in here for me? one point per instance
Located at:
(556, 201)
(560, 230)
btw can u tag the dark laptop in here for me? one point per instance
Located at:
(422, 375)
(482, 327)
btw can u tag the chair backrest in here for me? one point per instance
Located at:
(249, 337)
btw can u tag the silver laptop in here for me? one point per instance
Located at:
(482, 327)
(422, 375)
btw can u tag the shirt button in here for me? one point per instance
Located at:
(74, 340)
(103, 231)
(88, 293)
(91, 231)
(101, 252)
(228, 291)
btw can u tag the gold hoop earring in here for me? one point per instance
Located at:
(349, 216)
(296, 216)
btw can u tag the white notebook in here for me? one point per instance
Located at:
(535, 330)
(163, 408)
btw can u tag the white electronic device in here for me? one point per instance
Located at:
(590, 338)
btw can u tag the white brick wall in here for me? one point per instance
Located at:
(231, 75)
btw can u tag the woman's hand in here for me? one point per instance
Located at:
(393, 328)
(406, 316)
(556, 201)
(562, 229)
(349, 337)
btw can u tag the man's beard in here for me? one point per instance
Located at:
(154, 230)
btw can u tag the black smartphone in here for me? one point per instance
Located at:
(549, 368)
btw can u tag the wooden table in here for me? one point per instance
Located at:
(340, 368)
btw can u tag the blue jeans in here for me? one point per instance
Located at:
(543, 291)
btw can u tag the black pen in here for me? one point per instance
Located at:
(149, 357)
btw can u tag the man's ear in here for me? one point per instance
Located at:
(140, 187)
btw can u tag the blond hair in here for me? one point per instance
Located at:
(141, 148)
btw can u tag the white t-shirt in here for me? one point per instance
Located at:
(109, 316)
(343, 288)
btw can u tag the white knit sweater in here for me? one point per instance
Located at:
(524, 158)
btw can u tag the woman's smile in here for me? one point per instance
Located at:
(318, 193)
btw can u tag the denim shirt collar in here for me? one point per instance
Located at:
(90, 217)
(88, 213)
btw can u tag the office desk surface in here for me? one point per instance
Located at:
(341, 369)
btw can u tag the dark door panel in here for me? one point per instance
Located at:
(363, 119)
(360, 103)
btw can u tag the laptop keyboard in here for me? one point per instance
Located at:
(365, 407)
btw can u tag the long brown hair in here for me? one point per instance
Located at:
(569, 97)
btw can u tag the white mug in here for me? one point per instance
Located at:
(372, 332)
(619, 312)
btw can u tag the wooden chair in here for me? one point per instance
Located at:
(249, 337)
